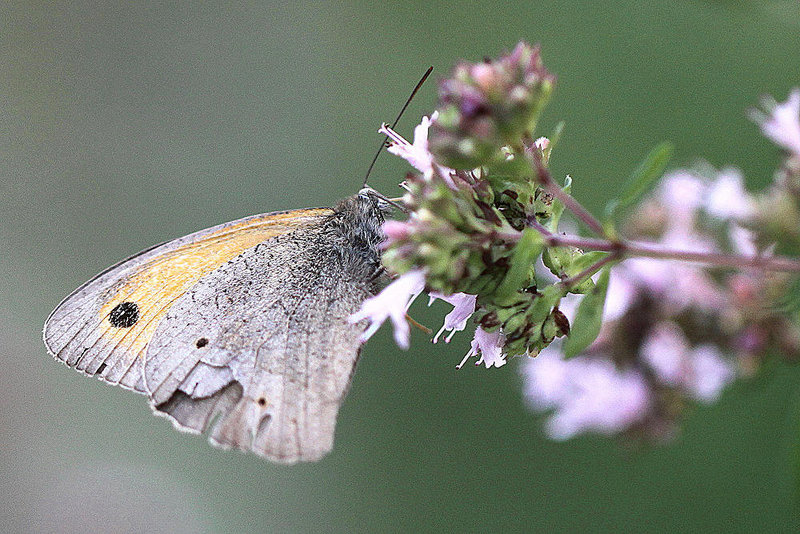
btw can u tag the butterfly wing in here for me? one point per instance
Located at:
(259, 353)
(104, 327)
(240, 330)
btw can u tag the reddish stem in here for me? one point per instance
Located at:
(622, 249)
(581, 213)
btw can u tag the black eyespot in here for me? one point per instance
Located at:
(124, 315)
(202, 342)
(262, 401)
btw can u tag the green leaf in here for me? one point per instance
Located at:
(523, 257)
(589, 318)
(584, 261)
(789, 302)
(581, 263)
(543, 305)
(554, 137)
(641, 180)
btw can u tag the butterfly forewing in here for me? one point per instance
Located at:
(104, 327)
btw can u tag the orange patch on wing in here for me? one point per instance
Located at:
(158, 283)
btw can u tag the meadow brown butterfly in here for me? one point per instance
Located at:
(239, 331)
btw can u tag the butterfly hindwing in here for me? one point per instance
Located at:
(270, 330)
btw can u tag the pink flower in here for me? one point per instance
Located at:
(417, 154)
(711, 373)
(455, 321)
(701, 371)
(782, 124)
(490, 347)
(392, 303)
(726, 197)
(586, 394)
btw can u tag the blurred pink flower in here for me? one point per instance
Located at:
(681, 194)
(392, 303)
(743, 241)
(628, 377)
(666, 351)
(395, 230)
(701, 371)
(782, 124)
(711, 372)
(490, 347)
(677, 285)
(585, 394)
(621, 294)
(726, 198)
(455, 321)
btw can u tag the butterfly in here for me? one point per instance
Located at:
(239, 331)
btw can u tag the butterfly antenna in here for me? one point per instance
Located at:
(391, 201)
(383, 143)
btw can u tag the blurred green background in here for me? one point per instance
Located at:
(125, 125)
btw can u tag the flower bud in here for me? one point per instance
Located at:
(484, 106)
(777, 218)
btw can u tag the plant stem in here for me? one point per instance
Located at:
(621, 249)
(766, 263)
(589, 271)
(582, 214)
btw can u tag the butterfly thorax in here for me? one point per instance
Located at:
(355, 231)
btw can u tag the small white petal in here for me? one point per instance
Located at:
(455, 321)
(783, 124)
(392, 303)
(490, 347)
(711, 372)
(416, 154)
(727, 198)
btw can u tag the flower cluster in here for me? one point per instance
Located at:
(652, 336)
(466, 229)
(778, 210)
(486, 106)
(673, 333)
